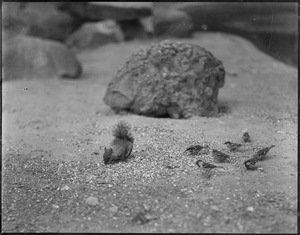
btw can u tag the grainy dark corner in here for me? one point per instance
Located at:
(155, 117)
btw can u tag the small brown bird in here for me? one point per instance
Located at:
(261, 154)
(219, 156)
(195, 149)
(141, 218)
(207, 165)
(232, 146)
(246, 137)
(251, 162)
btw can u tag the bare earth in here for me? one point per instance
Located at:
(54, 133)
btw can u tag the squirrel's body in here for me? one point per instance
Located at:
(121, 146)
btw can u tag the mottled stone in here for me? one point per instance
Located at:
(169, 79)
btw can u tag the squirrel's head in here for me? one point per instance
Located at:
(107, 155)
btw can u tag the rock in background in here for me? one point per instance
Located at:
(272, 27)
(130, 16)
(60, 21)
(169, 79)
(40, 19)
(93, 35)
(171, 22)
(26, 57)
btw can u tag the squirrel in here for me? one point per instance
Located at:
(121, 146)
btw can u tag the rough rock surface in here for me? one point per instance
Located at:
(92, 35)
(169, 79)
(26, 57)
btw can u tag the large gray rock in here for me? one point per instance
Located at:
(39, 19)
(169, 79)
(58, 20)
(93, 35)
(129, 15)
(171, 22)
(26, 57)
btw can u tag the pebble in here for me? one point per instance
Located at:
(250, 208)
(281, 132)
(226, 220)
(55, 206)
(215, 208)
(146, 207)
(114, 208)
(233, 73)
(140, 218)
(66, 187)
(92, 201)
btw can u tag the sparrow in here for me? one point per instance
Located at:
(171, 167)
(251, 162)
(246, 137)
(261, 154)
(232, 146)
(195, 149)
(219, 156)
(141, 218)
(207, 165)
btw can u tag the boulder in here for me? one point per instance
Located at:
(171, 22)
(93, 35)
(147, 23)
(39, 19)
(26, 57)
(132, 17)
(168, 79)
(58, 20)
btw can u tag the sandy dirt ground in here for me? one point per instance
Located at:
(55, 131)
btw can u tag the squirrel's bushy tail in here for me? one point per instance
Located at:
(122, 131)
